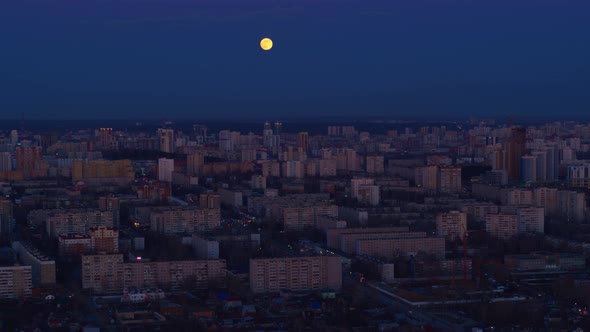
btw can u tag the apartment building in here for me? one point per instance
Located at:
(231, 197)
(184, 219)
(272, 206)
(109, 274)
(210, 201)
(258, 182)
(479, 211)
(572, 205)
(449, 179)
(517, 197)
(390, 248)
(76, 221)
(545, 261)
(104, 239)
(73, 245)
(531, 220)
(333, 235)
(427, 178)
(451, 225)
(324, 223)
(175, 275)
(578, 175)
(302, 273)
(297, 218)
(205, 248)
(348, 241)
(375, 165)
(502, 226)
(327, 167)
(103, 172)
(100, 239)
(15, 281)
(42, 267)
(547, 199)
(365, 191)
(103, 274)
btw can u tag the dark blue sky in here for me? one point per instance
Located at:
(200, 58)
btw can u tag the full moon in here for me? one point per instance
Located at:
(266, 44)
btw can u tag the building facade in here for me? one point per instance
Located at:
(295, 273)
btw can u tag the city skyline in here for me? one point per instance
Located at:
(159, 221)
(295, 165)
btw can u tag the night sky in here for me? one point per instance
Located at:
(201, 58)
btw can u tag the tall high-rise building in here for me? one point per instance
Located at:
(165, 169)
(267, 134)
(352, 161)
(7, 222)
(375, 164)
(112, 204)
(333, 130)
(572, 205)
(166, 140)
(28, 158)
(5, 161)
(303, 141)
(229, 140)
(272, 140)
(293, 169)
(201, 133)
(48, 140)
(106, 139)
(552, 150)
(194, 163)
(427, 177)
(13, 137)
(497, 158)
(541, 158)
(278, 128)
(449, 179)
(515, 149)
(529, 168)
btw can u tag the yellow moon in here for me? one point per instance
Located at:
(266, 44)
